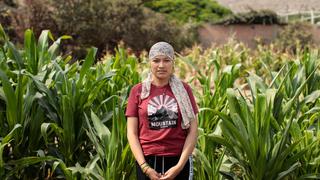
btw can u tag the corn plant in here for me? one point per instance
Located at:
(270, 133)
(257, 131)
(306, 123)
(113, 159)
(213, 76)
(247, 134)
(4, 142)
(299, 88)
(19, 95)
(69, 94)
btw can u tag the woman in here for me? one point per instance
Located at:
(161, 120)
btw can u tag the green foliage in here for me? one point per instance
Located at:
(113, 159)
(252, 17)
(66, 120)
(189, 10)
(210, 100)
(50, 96)
(277, 101)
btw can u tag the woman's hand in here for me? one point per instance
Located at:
(171, 173)
(186, 152)
(152, 174)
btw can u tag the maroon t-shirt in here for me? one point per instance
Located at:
(159, 117)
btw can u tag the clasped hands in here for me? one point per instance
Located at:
(170, 174)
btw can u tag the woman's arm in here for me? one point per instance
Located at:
(186, 151)
(132, 135)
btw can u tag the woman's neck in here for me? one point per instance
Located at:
(160, 82)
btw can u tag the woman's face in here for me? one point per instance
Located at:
(161, 67)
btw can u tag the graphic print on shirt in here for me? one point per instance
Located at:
(162, 112)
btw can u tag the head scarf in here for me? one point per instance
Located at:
(161, 48)
(176, 85)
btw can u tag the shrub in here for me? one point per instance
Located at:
(32, 14)
(252, 17)
(294, 36)
(100, 23)
(104, 23)
(6, 16)
(194, 10)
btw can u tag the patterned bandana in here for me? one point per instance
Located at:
(180, 93)
(161, 48)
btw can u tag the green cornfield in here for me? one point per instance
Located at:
(259, 111)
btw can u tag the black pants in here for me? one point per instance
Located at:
(162, 163)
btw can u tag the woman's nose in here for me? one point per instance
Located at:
(161, 64)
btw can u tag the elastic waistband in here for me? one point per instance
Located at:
(159, 162)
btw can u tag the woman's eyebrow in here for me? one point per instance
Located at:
(163, 59)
